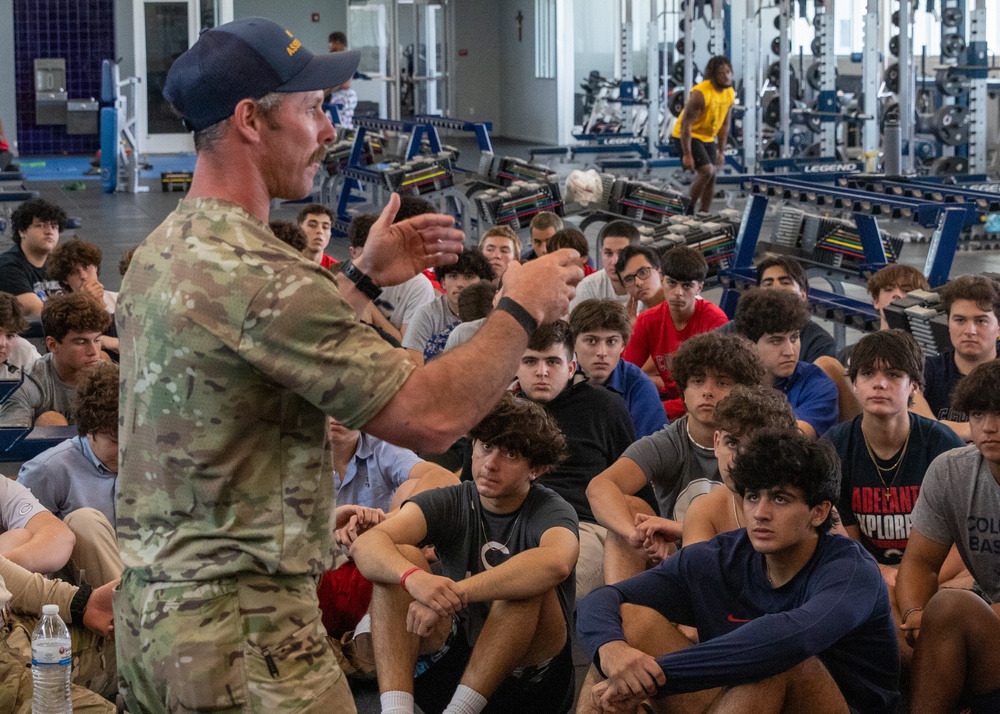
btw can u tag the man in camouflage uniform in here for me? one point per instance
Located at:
(88, 615)
(234, 348)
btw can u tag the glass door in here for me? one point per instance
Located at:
(164, 29)
(425, 51)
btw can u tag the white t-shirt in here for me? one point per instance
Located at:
(17, 505)
(402, 301)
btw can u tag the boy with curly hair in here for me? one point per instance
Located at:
(35, 227)
(492, 633)
(73, 326)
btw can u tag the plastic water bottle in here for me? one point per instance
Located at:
(51, 662)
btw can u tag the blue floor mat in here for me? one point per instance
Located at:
(74, 168)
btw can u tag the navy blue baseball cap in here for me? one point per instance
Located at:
(247, 59)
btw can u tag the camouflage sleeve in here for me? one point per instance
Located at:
(29, 591)
(301, 333)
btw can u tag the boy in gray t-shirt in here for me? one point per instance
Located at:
(956, 662)
(679, 460)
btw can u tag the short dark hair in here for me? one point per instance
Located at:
(357, 232)
(312, 209)
(73, 312)
(979, 390)
(904, 277)
(25, 214)
(11, 314)
(715, 64)
(727, 355)
(96, 407)
(543, 220)
(65, 258)
(553, 333)
(126, 260)
(762, 312)
(524, 427)
(569, 238)
(411, 206)
(594, 314)
(979, 289)
(683, 263)
(289, 233)
(747, 409)
(786, 457)
(470, 261)
(476, 301)
(791, 266)
(339, 37)
(892, 349)
(618, 229)
(633, 250)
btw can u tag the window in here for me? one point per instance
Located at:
(545, 39)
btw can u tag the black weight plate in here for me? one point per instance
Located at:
(891, 78)
(678, 72)
(682, 45)
(950, 83)
(774, 73)
(895, 18)
(951, 125)
(816, 46)
(816, 21)
(814, 75)
(894, 45)
(772, 150)
(777, 21)
(952, 45)
(951, 17)
(772, 112)
(676, 102)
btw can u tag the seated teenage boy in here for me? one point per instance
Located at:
(601, 329)
(660, 330)
(507, 547)
(427, 334)
(679, 461)
(501, 246)
(771, 320)
(886, 450)
(973, 306)
(15, 351)
(595, 423)
(789, 618)
(737, 418)
(73, 326)
(606, 284)
(956, 662)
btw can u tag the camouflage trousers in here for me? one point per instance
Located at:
(93, 669)
(252, 643)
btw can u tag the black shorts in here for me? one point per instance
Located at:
(703, 153)
(550, 693)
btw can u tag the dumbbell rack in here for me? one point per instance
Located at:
(843, 311)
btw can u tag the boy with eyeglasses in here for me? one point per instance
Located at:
(660, 330)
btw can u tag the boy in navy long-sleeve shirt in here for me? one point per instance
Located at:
(788, 617)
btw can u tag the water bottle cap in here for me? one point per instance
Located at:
(50, 609)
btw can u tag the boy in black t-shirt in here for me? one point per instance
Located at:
(507, 547)
(885, 452)
(972, 303)
(35, 228)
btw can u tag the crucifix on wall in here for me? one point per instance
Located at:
(520, 24)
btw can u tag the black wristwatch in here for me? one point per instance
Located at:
(79, 603)
(361, 281)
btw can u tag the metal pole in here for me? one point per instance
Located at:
(828, 76)
(785, 88)
(977, 95)
(870, 76)
(907, 84)
(751, 82)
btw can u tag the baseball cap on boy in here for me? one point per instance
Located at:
(247, 59)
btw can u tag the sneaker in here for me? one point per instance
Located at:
(356, 656)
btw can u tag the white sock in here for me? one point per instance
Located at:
(396, 703)
(466, 701)
(364, 625)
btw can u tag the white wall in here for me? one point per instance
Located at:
(296, 15)
(8, 93)
(528, 106)
(477, 75)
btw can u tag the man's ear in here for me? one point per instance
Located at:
(248, 120)
(51, 344)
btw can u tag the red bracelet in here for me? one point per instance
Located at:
(408, 573)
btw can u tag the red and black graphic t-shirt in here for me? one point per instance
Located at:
(881, 507)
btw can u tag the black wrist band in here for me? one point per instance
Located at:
(361, 281)
(79, 603)
(523, 317)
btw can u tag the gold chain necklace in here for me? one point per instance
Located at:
(885, 471)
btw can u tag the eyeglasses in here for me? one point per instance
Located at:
(642, 273)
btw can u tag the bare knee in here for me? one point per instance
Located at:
(954, 609)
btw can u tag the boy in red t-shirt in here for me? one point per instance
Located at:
(661, 330)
